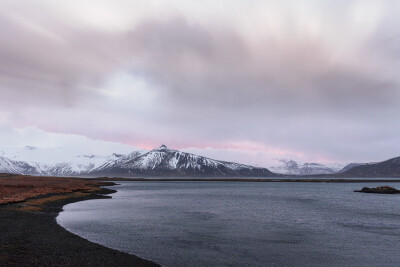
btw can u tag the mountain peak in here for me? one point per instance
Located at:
(163, 161)
(162, 148)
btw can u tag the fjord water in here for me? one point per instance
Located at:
(244, 223)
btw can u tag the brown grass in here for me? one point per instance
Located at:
(18, 188)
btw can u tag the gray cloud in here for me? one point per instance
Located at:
(218, 68)
(44, 58)
(210, 84)
(215, 77)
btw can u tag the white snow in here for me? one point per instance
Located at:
(291, 167)
(69, 162)
(58, 161)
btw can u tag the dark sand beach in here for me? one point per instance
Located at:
(30, 235)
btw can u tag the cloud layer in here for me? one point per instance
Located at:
(313, 80)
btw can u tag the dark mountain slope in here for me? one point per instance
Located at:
(388, 168)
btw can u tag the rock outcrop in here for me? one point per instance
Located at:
(379, 190)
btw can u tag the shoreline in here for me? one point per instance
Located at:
(261, 180)
(32, 237)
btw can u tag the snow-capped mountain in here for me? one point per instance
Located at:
(121, 160)
(157, 162)
(291, 167)
(12, 166)
(74, 166)
(168, 162)
(53, 161)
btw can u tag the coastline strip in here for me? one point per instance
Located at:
(266, 180)
(30, 235)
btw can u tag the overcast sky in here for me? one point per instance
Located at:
(243, 80)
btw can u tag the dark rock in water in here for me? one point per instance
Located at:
(379, 190)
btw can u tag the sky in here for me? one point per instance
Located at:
(248, 81)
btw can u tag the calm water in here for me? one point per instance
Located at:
(244, 224)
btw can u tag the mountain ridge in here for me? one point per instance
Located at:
(161, 161)
(164, 161)
(387, 168)
(291, 167)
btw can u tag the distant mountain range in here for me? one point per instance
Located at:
(291, 167)
(387, 168)
(166, 162)
(157, 162)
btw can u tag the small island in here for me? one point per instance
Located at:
(379, 190)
